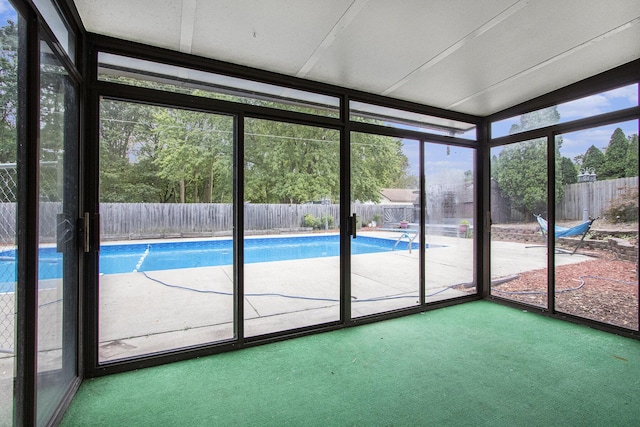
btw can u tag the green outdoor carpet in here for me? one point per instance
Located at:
(474, 364)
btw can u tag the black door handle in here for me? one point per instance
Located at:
(354, 223)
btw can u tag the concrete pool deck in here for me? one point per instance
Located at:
(168, 309)
(142, 314)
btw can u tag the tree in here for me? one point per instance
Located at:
(522, 175)
(8, 92)
(631, 163)
(536, 119)
(593, 160)
(615, 156)
(376, 162)
(287, 163)
(127, 149)
(194, 151)
(569, 172)
(521, 169)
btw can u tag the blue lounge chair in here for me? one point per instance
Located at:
(577, 230)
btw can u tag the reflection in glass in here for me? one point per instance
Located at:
(292, 190)
(363, 112)
(54, 19)
(170, 78)
(518, 248)
(166, 256)
(57, 261)
(9, 186)
(449, 225)
(385, 196)
(596, 271)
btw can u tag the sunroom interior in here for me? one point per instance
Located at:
(187, 178)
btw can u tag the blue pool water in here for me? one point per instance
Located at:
(173, 255)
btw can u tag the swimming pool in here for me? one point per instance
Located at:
(126, 258)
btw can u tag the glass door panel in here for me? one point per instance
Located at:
(166, 253)
(385, 197)
(291, 238)
(9, 190)
(450, 208)
(596, 252)
(58, 253)
(518, 198)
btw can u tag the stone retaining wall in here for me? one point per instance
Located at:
(603, 241)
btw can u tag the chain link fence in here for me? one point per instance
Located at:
(49, 192)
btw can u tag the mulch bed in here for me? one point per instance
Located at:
(602, 289)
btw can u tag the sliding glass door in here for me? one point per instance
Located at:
(596, 264)
(385, 207)
(291, 237)
(166, 250)
(519, 268)
(449, 221)
(57, 294)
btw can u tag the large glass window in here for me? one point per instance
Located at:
(58, 26)
(392, 117)
(385, 197)
(166, 255)
(449, 224)
(518, 199)
(588, 106)
(292, 213)
(57, 320)
(596, 250)
(9, 184)
(138, 72)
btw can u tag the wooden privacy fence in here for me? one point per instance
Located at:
(596, 197)
(161, 220)
(165, 220)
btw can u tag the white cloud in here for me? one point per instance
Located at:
(576, 143)
(585, 107)
(612, 100)
(628, 93)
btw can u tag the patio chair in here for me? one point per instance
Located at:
(577, 230)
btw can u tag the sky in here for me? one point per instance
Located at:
(440, 163)
(577, 143)
(6, 12)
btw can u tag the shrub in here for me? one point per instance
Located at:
(318, 223)
(624, 208)
(310, 221)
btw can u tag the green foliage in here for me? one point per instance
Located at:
(193, 149)
(569, 171)
(287, 163)
(631, 162)
(376, 162)
(624, 208)
(615, 156)
(8, 92)
(593, 160)
(536, 119)
(522, 175)
(318, 223)
(520, 169)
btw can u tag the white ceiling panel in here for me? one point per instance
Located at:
(466, 55)
(389, 40)
(154, 22)
(274, 35)
(536, 37)
(577, 65)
